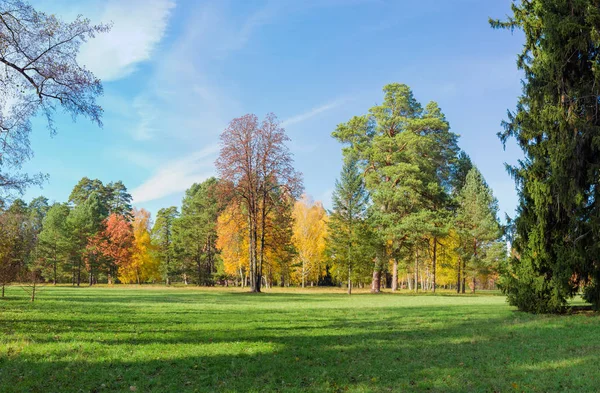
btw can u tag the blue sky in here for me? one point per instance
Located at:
(176, 72)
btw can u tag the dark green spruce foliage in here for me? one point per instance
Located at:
(348, 238)
(478, 226)
(557, 125)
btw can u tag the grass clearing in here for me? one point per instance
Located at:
(159, 339)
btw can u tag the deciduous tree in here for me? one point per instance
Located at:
(257, 169)
(309, 232)
(40, 74)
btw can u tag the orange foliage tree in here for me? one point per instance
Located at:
(115, 243)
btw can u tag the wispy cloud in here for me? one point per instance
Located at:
(138, 26)
(177, 175)
(313, 112)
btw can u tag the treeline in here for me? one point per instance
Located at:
(409, 211)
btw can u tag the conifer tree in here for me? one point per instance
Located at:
(557, 125)
(163, 236)
(405, 152)
(347, 221)
(477, 225)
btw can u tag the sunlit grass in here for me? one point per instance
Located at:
(319, 340)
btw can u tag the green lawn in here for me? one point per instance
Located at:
(172, 340)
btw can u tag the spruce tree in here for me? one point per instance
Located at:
(557, 125)
(478, 227)
(347, 222)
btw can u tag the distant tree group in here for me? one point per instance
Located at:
(424, 200)
(409, 211)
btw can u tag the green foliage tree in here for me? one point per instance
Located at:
(196, 231)
(405, 153)
(478, 226)
(53, 240)
(118, 199)
(557, 125)
(346, 234)
(163, 236)
(85, 221)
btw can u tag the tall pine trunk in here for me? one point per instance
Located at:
(434, 263)
(458, 276)
(395, 275)
(416, 270)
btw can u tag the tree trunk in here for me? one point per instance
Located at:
(303, 273)
(473, 290)
(395, 275)
(33, 292)
(458, 276)
(464, 275)
(3, 285)
(79, 272)
(434, 262)
(416, 270)
(54, 278)
(376, 283)
(349, 280)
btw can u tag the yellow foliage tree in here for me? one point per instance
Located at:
(309, 232)
(232, 241)
(144, 266)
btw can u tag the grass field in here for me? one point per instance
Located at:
(205, 340)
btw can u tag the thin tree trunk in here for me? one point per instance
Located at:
(3, 285)
(458, 276)
(395, 275)
(303, 273)
(54, 278)
(349, 280)
(416, 270)
(434, 262)
(33, 292)
(464, 275)
(78, 271)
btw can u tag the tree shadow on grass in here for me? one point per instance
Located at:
(218, 343)
(366, 362)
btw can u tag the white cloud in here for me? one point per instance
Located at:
(313, 112)
(138, 26)
(177, 175)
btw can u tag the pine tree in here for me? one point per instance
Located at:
(53, 242)
(405, 152)
(557, 125)
(163, 235)
(196, 231)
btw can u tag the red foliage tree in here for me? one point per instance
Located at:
(116, 242)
